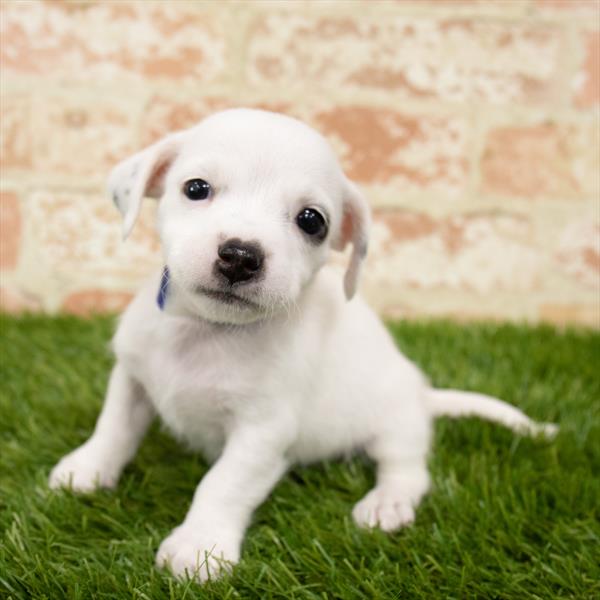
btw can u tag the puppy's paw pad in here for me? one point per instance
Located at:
(187, 556)
(384, 510)
(82, 472)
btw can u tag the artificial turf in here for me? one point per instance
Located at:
(508, 517)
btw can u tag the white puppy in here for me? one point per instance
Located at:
(248, 347)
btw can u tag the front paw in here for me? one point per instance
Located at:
(83, 470)
(189, 552)
(384, 509)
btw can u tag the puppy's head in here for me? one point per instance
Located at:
(250, 204)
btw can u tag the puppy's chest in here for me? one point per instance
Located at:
(194, 389)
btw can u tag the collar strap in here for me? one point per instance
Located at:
(163, 288)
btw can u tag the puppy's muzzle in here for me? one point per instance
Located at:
(239, 261)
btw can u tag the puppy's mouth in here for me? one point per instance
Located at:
(226, 297)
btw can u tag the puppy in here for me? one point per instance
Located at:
(249, 348)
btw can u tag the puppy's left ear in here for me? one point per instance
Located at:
(354, 229)
(141, 175)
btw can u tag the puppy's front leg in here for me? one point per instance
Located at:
(211, 535)
(125, 418)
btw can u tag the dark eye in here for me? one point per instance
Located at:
(313, 223)
(197, 189)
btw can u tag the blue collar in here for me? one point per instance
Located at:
(163, 288)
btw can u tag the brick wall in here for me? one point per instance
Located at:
(472, 125)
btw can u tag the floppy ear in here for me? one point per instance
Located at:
(354, 229)
(141, 175)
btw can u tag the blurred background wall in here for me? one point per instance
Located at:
(472, 126)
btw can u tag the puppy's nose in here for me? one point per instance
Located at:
(239, 261)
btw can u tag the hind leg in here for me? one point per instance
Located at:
(402, 480)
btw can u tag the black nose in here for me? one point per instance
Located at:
(239, 261)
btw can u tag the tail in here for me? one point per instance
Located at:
(455, 403)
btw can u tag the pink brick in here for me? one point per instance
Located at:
(454, 59)
(83, 135)
(564, 8)
(587, 80)
(548, 160)
(111, 40)
(16, 147)
(78, 237)
(13, 300)
(383, 146)
(93, 301)
(578, 252)
(568, 313)
(10, 230)
(453, 8)
(474, 253)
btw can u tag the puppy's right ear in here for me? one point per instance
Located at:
(142, 175)
(354, 229)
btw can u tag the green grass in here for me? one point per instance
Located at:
(508, 517)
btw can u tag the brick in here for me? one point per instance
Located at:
(111, 41)
(578, 252)
(439, 8)
(549, 160)
(16, 148)
(91, 302)
(479, 5)
(574, 8)
(14, 300)
(453, 60)
(83, 135)
(474, 253)
(10, 230)
(587, 80)
(412, 152)
(78, 238)
(567, 313)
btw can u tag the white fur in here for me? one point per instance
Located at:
(302, 374)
